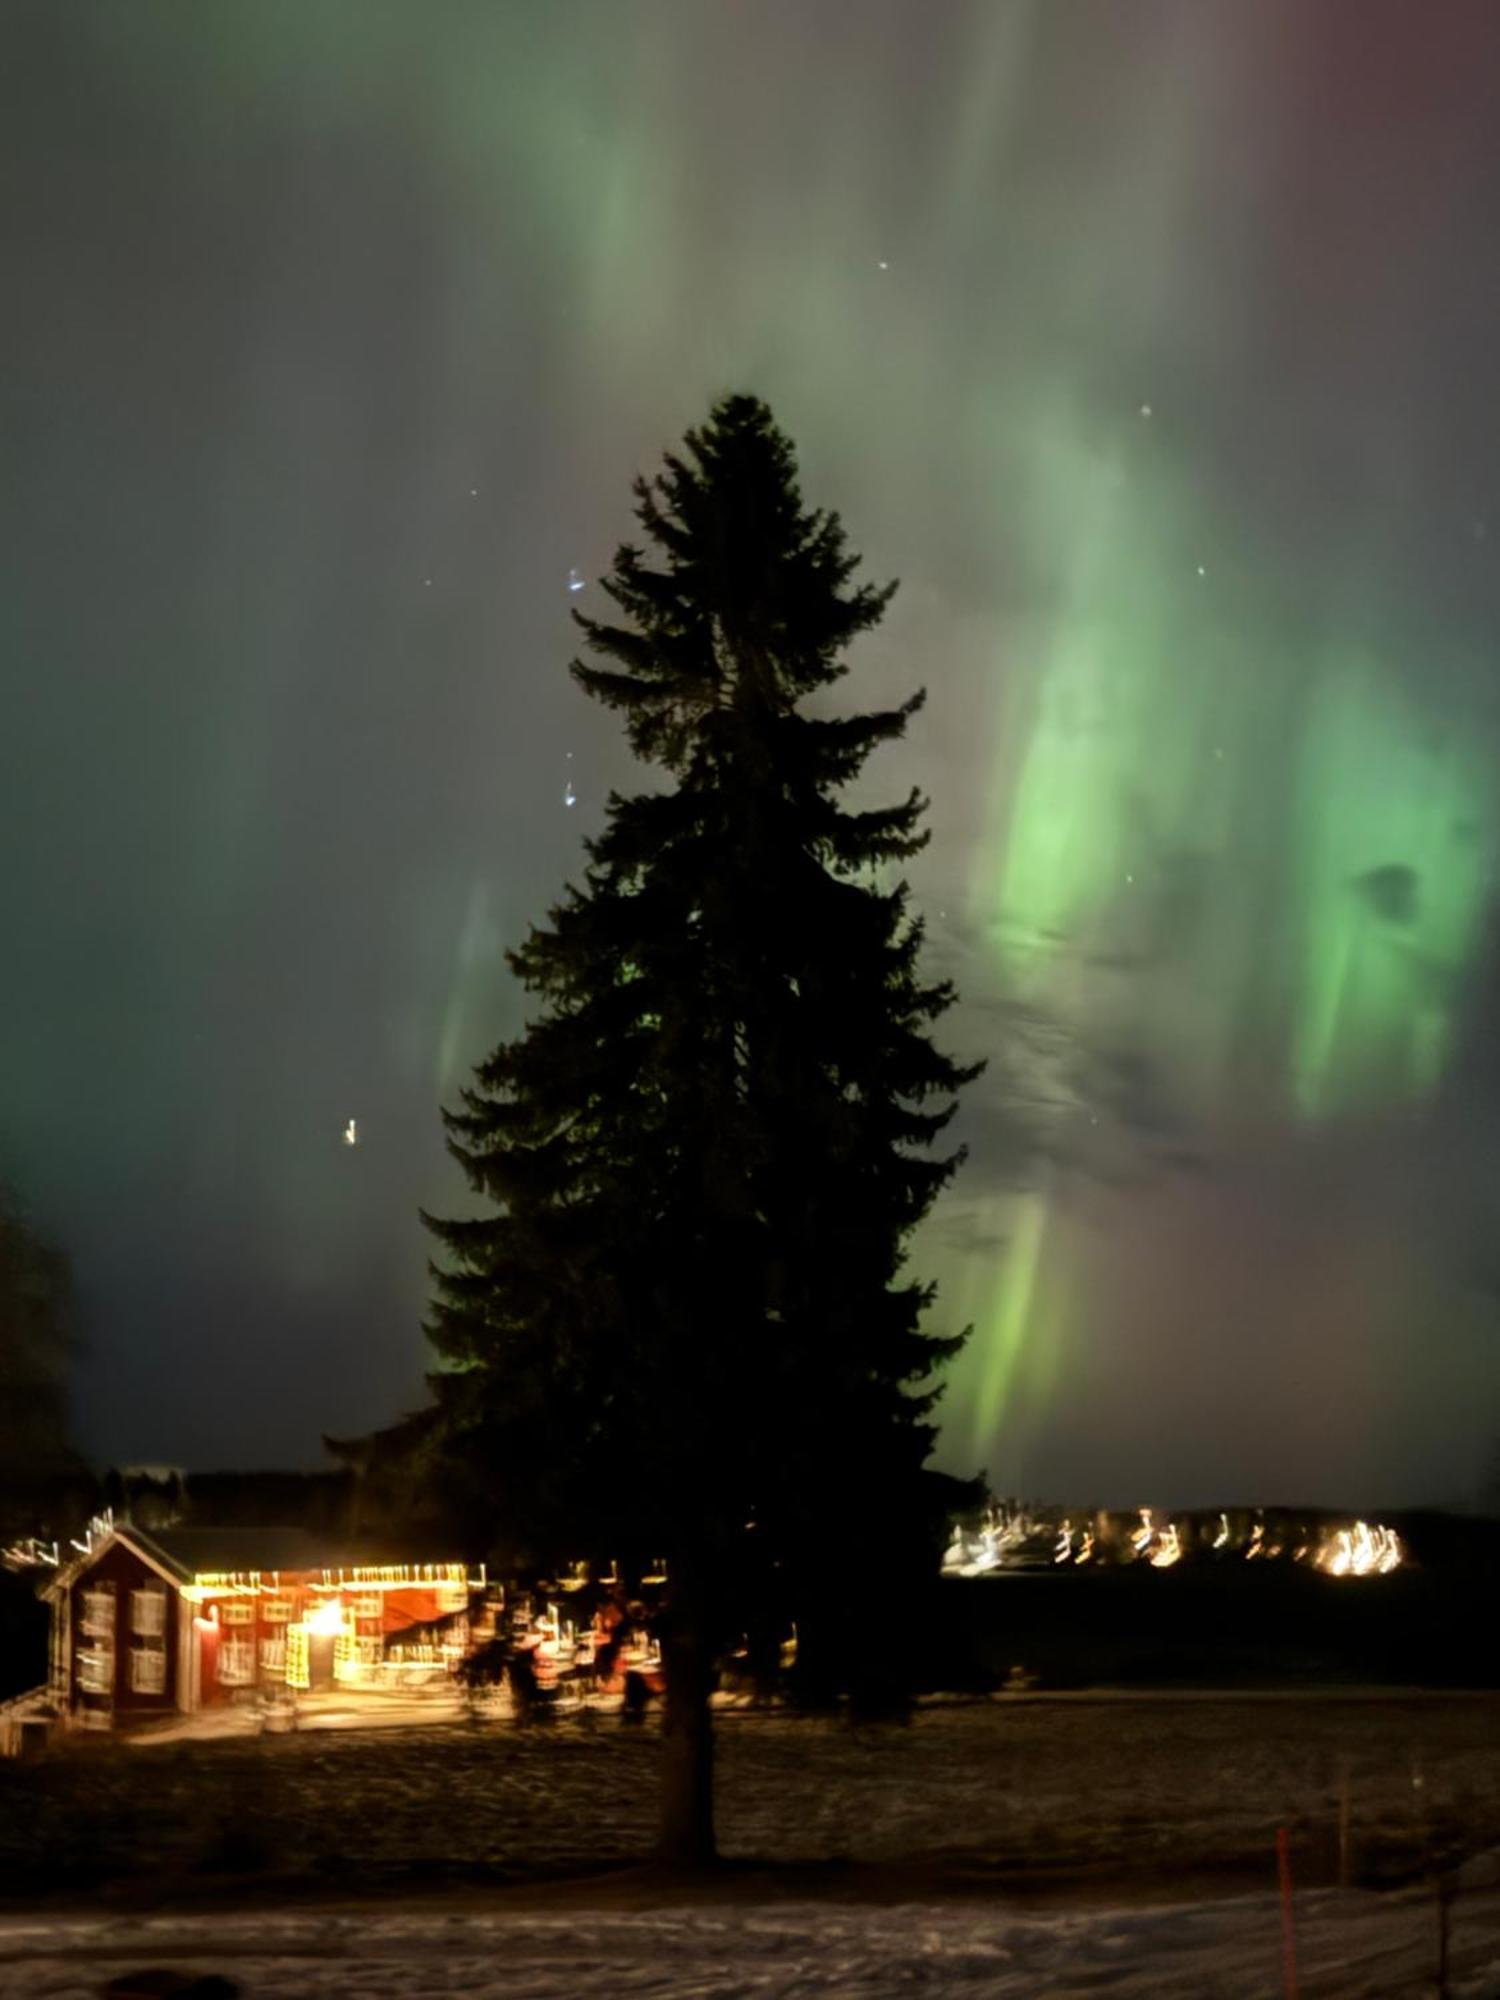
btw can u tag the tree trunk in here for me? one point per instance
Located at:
(687, 1742)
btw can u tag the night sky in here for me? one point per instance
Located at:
(1152, 343)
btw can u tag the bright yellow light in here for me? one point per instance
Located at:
(297, 1666)
(386, 1576)
(326, 1619)
(1363, 1550)
(1168, 1548)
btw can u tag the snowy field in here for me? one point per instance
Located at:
(1125, 1784)
(1356, 1946)
(1042, 1847)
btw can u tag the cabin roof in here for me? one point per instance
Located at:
(181, 1554)
(206, 1551)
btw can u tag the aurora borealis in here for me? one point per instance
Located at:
(1149, 342)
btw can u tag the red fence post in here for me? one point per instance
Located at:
(1288, 1930)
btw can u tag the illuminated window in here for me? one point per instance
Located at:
(148, 1612)
(275, 1610)
(237, 1611)
(99, 1611)
(96, 1669)
(237, 1662)
(297, 1662)
(148, 1670)
(273, 1656)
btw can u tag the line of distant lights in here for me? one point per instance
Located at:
(32, 1552)
(1012, 1539)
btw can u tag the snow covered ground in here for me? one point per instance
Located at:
(1351, 1946)
(425, 1708)
(1007, 1848)
(1150, 1788)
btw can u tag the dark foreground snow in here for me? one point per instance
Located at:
(1351, 1945)
(1104, 1849)
(1150, 1786)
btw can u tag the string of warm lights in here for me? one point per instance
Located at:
(386, 1576)
(1010, 1539)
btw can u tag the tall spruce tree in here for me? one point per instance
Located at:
(682, 1323)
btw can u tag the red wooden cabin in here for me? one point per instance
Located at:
(177, 1618)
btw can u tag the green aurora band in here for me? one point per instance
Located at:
(1190, 823)
(1265, 875)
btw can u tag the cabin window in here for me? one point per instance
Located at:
(99, 1611)
(297, 1674)
(148, 1612)
(273, 1656)
(237, 1662)
(96, 1670)
(237, 1611)
(148, 1670)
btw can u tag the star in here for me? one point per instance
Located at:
(1146, 411)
